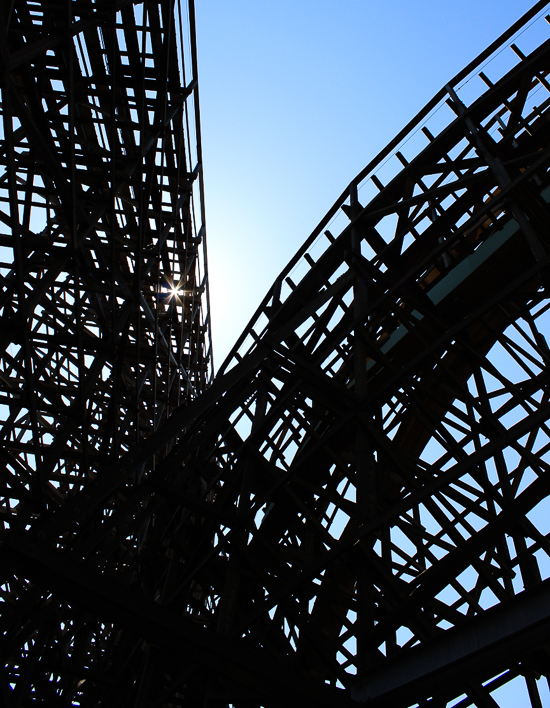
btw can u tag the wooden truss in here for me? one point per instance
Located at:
(104, 328)
(357, 510)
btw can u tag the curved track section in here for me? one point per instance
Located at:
(356, 511)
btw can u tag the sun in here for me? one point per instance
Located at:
(171, 291)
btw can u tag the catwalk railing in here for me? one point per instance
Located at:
(357, 509)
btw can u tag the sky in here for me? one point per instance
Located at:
(296, 98)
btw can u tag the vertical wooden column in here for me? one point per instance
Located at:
(364, 467)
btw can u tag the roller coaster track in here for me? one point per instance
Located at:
(356, 511)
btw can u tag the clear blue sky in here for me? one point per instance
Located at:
(296, 98)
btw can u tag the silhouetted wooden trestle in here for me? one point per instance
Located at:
(357, 509)
(104, 316)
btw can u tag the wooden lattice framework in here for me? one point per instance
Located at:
(99, 224)
(357, 509)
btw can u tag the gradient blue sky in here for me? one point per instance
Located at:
(296, 98)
